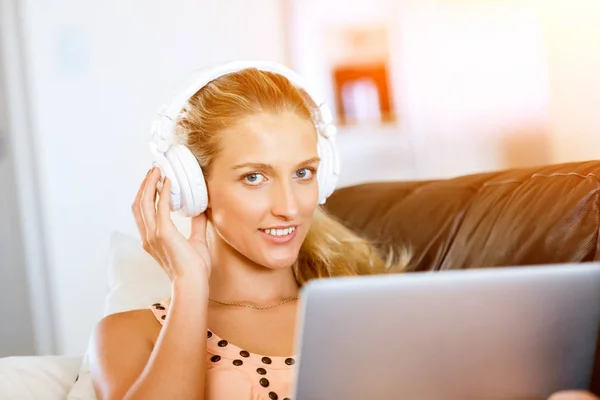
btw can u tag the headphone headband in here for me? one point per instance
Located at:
(164, 124)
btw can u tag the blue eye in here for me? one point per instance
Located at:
(304, 173)
(254, 178)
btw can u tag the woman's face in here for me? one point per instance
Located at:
(263, 187)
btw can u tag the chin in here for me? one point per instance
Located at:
(275, 261)
(278, 256)
(279, 264)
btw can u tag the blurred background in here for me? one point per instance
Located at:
(421, 89)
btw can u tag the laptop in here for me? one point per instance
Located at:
(494, 333)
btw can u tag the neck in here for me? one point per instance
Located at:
(235, 278)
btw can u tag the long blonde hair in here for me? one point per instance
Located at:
(330, 249)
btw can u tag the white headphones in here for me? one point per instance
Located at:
(189, 194)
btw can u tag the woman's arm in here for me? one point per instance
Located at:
(124, 365)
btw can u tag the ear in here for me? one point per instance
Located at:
(208, 202)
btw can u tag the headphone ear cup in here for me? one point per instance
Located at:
(194, 194)
(166, 169)
(325, 172)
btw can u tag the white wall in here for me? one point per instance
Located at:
(475, 86)
(492, 84)
(98, 70)
(572, 37)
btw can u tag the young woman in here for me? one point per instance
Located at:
(227, 332)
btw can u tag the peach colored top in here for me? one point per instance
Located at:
(236, 374)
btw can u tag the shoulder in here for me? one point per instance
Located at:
(120, 346)
(139, 324)
(151, 318)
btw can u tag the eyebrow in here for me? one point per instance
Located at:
(270, 167)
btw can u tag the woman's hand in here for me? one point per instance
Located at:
(573, 395)
(181, 258)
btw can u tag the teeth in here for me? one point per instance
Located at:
(279, 232)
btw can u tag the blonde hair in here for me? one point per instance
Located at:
(330, 249)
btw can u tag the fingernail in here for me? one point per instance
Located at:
(150, 171)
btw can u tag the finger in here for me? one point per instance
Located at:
(148, 204)
(198, 238)
(198, 229)
(140, 191)
(165, 224)
(573, 395)
(135, 208)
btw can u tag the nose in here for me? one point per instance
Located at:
(284, 203)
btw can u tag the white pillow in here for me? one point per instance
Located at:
(135, 281)
(37, 377)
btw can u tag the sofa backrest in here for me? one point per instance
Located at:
(526, 216)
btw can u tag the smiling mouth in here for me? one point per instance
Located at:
(279, 232)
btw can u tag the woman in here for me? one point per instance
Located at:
(227, 332)
(235, 281)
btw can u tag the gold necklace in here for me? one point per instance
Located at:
(226, 303)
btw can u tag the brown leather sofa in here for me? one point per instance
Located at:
(528, 216)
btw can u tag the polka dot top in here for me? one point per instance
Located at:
(234, 373)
